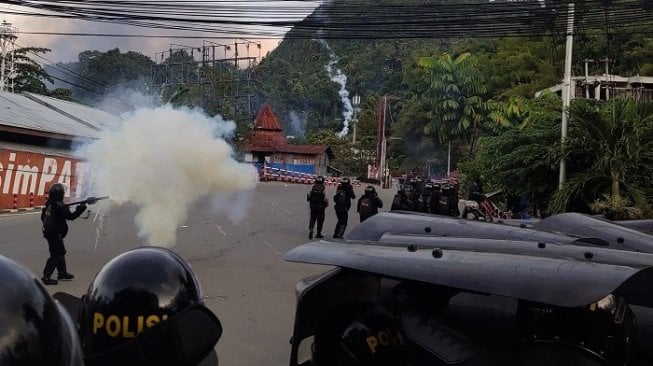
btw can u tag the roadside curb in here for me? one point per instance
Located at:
(22, 209)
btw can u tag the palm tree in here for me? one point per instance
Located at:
(610, 150)
(456, 87)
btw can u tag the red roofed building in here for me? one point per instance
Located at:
(266, 144)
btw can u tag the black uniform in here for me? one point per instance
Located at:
(402, 200)
(369, 204)
(54, 216)
(318, 203)
(427, 194)
(342, 204)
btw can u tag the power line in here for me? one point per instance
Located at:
(352, 19)
(69, 73)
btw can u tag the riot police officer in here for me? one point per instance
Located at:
(369, 204)
(317, 203)
(342, 204)
(54, 216)
(145, 307)
(34, 329)
(402, 199)
(427, 195)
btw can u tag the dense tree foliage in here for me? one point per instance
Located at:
(99, 74)
(518, 157)
(30, 75)
(610, 153)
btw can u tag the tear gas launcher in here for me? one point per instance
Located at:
(89, 201)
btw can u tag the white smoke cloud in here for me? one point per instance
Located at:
(163, 160)
(336, 75)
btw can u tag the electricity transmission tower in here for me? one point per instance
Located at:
(231, 80)
(8, 36)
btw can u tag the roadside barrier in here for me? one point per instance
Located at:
(267, 174)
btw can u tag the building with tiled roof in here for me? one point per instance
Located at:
(38, 138)
(267, 145)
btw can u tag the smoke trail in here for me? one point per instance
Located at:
(162, 160)
(298, 125)
(338, 77)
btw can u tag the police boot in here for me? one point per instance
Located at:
(50, 265)
(336, 231)
(319, 231)
(310, 233)
(341, 231)
(63, 273)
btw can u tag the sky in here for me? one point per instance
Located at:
(65, 48)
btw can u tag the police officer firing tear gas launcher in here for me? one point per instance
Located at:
(54, 216)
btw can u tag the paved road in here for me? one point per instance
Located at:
(240, 266)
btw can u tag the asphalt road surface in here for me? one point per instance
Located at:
(240, 265)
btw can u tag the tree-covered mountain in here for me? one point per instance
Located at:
(450, 89)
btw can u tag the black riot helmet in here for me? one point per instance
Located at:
(345, 181)
(34, 329)
(56, 192)
(358, 335)
(319, 179)
(146, 302)
(370, 191)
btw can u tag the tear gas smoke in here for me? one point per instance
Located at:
(163, 160)
(337, 76)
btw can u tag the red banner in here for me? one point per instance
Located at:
(25, 177)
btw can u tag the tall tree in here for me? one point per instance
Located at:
(30, 75)
(456, 88)
(104, 72)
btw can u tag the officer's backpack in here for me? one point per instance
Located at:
(366, 205)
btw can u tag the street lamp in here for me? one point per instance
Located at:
(355, 101)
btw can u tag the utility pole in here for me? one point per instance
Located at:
(383, 143)
(448, 159)
(8, 36)
(587, 77)
(355, 101)
(566, 89)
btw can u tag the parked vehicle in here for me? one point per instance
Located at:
(504, 297)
